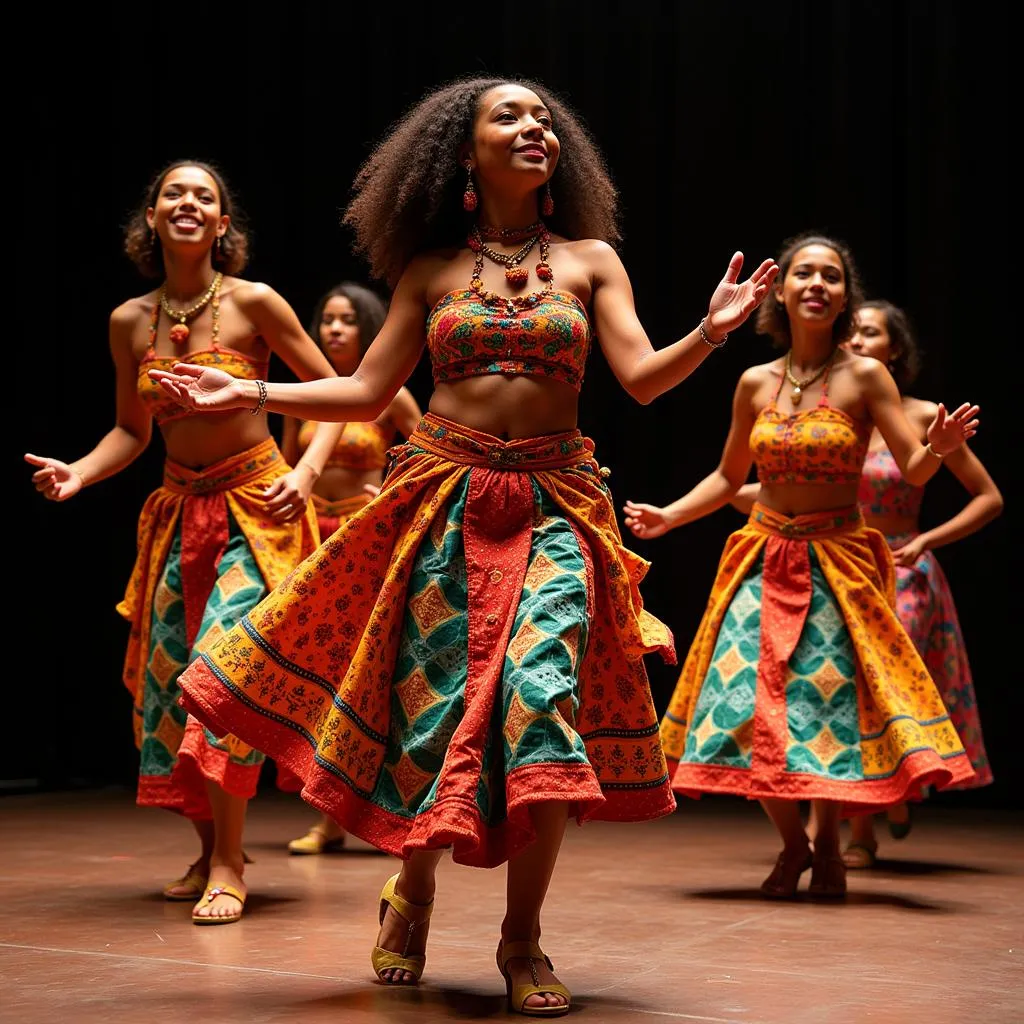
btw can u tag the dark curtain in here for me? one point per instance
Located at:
(726, 125)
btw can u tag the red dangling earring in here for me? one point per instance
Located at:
(469, 197)
(547, 206)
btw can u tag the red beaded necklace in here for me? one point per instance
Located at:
(515, 275)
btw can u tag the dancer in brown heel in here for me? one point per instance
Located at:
(801, 683)
(828, 876)
(782, 883)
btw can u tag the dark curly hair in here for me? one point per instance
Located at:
(772, 318)
(408, 194)
(144, 248)
(904, 352)
(369, 306)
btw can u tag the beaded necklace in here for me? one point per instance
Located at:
(180, 332)
(212, 297)
(511, 262)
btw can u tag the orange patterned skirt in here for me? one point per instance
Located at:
(801, 682)
(207, 553)
(467, 644)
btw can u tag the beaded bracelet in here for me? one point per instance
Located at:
(707, 341)
(262, 387)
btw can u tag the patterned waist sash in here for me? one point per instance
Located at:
(234, 471)
(469, 447)
(811, 526)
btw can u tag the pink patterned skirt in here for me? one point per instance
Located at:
(925, 606)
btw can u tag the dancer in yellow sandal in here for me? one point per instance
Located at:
(219, 918)
(415, 915)
(317, 840)
(438, 675)
(518, 995)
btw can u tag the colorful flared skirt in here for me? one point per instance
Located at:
(207, 554)
(801, 682)
(925, 606)
(467, 644)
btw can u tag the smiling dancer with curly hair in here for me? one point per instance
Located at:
(231, 519)
(461, 665)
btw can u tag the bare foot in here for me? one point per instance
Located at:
(397, 936)
(222, 905)
(524, 970)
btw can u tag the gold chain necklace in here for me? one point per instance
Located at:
(180, 332)
(799, 386)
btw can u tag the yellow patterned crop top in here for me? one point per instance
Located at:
(468, 337)
(821, 445)
(165, 409)
(362, 446)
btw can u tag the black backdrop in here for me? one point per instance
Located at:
(726, 125)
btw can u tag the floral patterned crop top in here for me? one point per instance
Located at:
(165, 409)
(822, 445)
(361, 446)
(884, 492)
(468, 337)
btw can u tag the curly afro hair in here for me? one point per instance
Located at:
(144, 248)
(904, 351)
(408, 194)
(772, 318)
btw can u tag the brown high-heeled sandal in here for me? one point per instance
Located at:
(828, 876)
(784, 879)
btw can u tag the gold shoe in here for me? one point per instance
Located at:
(517, 996)
(415, 915)
(210, 895)
(860, 856)
(315, 841)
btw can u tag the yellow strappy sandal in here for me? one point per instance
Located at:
(415, 915)
(517, 997)
(210, 895)
(315, 842)
(194, 881)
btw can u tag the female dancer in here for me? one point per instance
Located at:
(461, 664)
(924, 602)
(345, 321)
(801, 683)
(231, 519)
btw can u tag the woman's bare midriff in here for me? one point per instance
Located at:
(508, 406)
(803, 499)
(336, 482)
(201, 440)
(893, 524)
